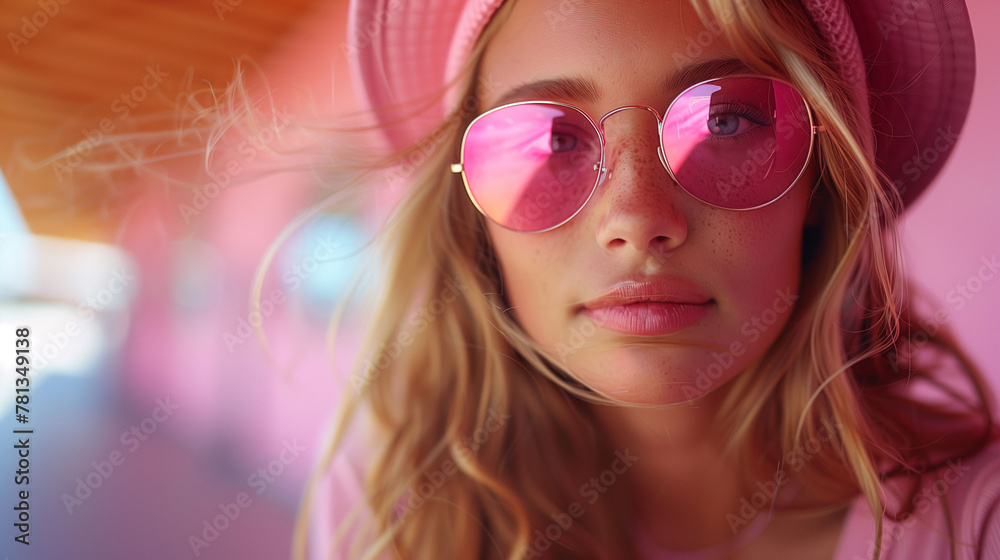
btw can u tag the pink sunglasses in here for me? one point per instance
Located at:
(737, 142)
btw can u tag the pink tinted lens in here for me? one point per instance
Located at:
(737, 142)
(531, 167)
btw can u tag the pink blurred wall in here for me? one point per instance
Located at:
(956, 224)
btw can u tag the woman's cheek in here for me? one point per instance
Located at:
(528, 275)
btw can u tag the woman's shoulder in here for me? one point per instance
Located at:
(963, 495)
(976, 501)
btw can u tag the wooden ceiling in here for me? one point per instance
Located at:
(66, 63)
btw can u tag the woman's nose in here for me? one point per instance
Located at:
(638, 204)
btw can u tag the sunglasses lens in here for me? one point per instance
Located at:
(531, 167)
(739, 142)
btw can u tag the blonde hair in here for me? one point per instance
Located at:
(836, 362)
(840, 360)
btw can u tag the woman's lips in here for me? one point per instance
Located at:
(648, 307)
(648, 317)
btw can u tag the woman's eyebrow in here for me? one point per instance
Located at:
(579, 89)
(692, 74)
(586, 90)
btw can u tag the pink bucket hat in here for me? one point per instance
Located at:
(913, 60)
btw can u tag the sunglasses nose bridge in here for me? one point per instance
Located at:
(606, 170)
(659, 119)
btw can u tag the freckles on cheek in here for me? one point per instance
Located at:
(758, 253)
(530, 279)
(768, 241)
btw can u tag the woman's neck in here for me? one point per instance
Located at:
(690, 494)
(683, 483)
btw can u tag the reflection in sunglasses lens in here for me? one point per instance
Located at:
(531, 167)
(737, 143)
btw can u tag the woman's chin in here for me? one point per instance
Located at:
(652, 376)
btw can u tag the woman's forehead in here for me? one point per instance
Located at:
(602, 48)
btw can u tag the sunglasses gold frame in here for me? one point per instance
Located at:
(599, 129)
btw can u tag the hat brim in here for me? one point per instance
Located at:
(914, 61)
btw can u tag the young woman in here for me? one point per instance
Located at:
(644, 298)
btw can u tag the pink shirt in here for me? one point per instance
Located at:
(971, 487)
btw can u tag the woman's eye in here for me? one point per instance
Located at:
(724, 125)
(562, 142)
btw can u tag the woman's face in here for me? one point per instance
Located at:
(735, 274)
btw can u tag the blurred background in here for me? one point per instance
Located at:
(152, 403)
